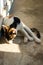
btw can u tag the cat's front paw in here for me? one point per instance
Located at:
(25, 39)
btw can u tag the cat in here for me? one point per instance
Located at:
(12, 25)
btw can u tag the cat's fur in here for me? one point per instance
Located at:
(16, 23)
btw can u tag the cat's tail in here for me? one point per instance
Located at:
(36, 31)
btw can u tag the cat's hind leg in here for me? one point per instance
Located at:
(28, 36)
(32, 34)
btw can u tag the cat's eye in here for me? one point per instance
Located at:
(12, 33)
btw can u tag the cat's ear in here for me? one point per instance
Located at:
(5, 28)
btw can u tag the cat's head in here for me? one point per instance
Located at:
(9, 33)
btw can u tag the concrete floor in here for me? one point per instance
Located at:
(20, 53)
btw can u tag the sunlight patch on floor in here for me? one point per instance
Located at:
(10, 48)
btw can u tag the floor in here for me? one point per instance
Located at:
(30, 12)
